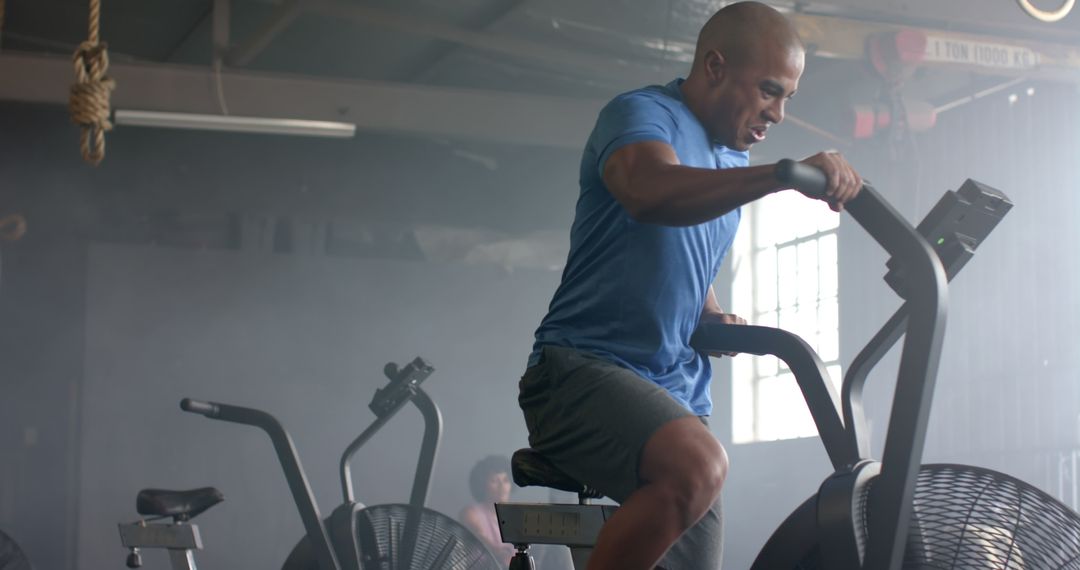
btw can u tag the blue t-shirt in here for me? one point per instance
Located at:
(633, 292)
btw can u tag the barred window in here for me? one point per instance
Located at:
(785, 275)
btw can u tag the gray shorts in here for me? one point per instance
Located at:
(592, 418)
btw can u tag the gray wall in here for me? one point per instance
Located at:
(42, 303)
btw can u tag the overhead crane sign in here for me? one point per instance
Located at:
(945, 49)
(893, 50)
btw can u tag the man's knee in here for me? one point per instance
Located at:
(686, 462)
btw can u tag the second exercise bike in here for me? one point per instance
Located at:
(404, 536)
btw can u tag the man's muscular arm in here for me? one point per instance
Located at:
(648, 180)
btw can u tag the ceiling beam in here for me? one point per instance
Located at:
(467, 114)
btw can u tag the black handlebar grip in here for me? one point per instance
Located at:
(807, 179)
(207, 409)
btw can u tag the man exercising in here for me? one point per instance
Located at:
(613, 394)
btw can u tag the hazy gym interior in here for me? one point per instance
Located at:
(283, 272)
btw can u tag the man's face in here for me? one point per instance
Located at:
(746, 99)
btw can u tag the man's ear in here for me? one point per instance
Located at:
(715, 66)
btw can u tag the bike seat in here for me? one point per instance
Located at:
(181, 505)
(529, 468)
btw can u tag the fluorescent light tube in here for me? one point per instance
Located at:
(233, 124)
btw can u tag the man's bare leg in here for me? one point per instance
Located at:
(684, 467)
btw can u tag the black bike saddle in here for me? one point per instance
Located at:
(529, 468)
(181, 505)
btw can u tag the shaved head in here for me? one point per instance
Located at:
(747, 65)
(739, 31)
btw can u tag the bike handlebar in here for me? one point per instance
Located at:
(290, 464)
(927, 300)
(208, 409)
(808, 179)
(235, 414)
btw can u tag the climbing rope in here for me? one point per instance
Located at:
(1046, 15)
(89, 101)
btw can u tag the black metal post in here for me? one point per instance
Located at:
(290, 464)
(425, 465)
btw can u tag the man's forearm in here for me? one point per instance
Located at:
(678, 195)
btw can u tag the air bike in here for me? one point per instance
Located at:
(405, 536)
(870, 514)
